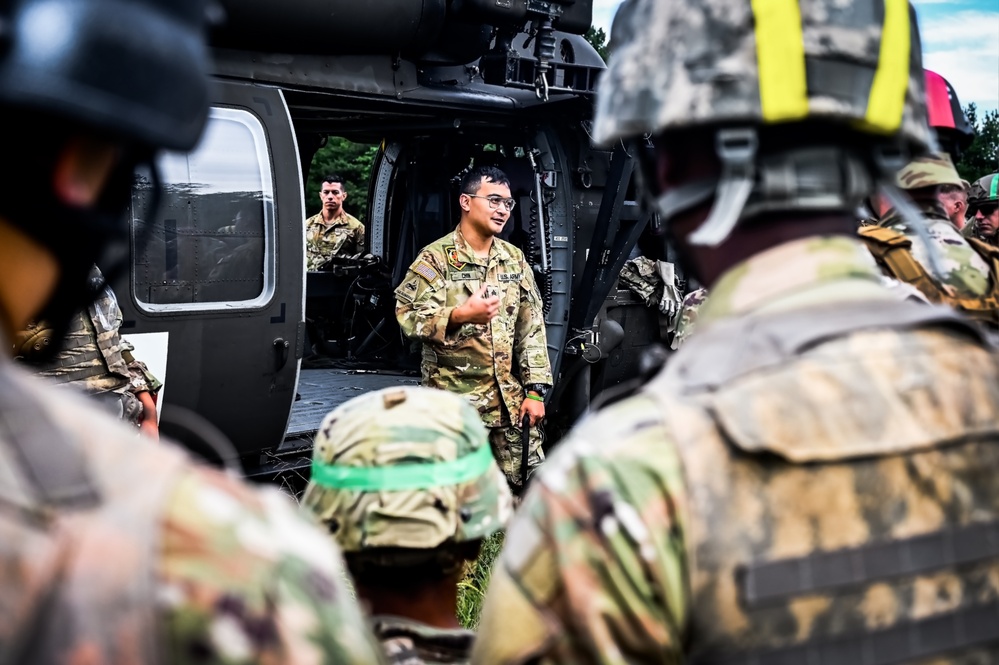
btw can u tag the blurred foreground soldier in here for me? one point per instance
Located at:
(966, 275)
(95, 359)
(112, 552)
(814, 476)
(983, 205)
(405, 480)
(470, 298)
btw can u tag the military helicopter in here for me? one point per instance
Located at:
(219, 291)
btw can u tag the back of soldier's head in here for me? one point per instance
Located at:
(119, 77)
(404, 480)
(806, 105)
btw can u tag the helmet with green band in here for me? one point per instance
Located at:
(399, 474)
(984, 190)
(751, 71)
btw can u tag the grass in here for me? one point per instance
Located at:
(472, 587)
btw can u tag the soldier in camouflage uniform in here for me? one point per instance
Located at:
(964, 273)
(332, 232)
(471, 299)
(405, 480)
(983, 205)
(96, 360)
(814, 476)
(113, 552)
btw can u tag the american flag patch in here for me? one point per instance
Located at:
(426, 271)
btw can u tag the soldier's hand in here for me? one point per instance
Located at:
(480, 308)
(535, 408)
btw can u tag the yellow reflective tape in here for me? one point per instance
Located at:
(886, 104)
(780, 58)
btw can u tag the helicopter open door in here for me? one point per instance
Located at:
(215, 293)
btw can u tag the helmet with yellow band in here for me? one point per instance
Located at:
(837, 85)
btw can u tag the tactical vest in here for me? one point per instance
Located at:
(79, 537)
(893, 250)
(843, 504)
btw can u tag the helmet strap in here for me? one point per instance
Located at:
(736, 148)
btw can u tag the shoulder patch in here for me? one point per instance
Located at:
(426, 271)
(452, 257)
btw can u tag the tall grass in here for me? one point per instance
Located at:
(472, 587)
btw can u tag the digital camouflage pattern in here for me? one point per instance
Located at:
(174, 563)
(403, 427)
(680, 64)
(94, 357)
(931, 170)
(629, 545)
(487, 363)
(686, 319)
(965, 272)
(407, 642)
(344, 236)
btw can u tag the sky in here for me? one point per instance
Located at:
(960, 42)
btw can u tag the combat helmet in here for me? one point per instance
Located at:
(946, 117)
(985, 191)
(747, 71)
(402, 476)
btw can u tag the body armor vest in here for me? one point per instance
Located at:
(80, 536)
(842, 503)
(893, 251)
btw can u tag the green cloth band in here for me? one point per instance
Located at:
(539, 398)
(403, 476)
(994, 190)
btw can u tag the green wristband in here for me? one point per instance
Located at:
(539, 398)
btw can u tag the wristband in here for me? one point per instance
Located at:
(538, 398)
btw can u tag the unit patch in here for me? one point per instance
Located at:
(452, 257)
(510, 276)
(426, 271)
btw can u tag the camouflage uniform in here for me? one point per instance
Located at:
(659, 530)
(686, 319)
(137, 555)
(344, 236)
(644, 277)
(488, 363)
(402, 477)
(94, 358)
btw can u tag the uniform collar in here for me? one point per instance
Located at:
(466, 255)
(785, 272)
(339, 220)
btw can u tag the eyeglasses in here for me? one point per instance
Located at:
(495, 201)
(985, 208)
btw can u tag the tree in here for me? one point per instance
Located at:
(598, 39)
(982, 156)
(351, 161)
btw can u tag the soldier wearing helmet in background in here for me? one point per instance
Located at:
(405, 481)
(814, 474)
(113, 552)
(983, 206)
(953, 270)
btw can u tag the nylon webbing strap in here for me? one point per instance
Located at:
(726, 350)
(403, 476)
(994, 189)
(780, 59)
(886, 103)
(778, 581)
(50, 462)
(905, 642)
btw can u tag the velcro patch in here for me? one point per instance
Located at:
(510, 276)
(426, 271)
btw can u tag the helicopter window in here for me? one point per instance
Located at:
(210, 244)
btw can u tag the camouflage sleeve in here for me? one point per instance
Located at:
(421, 302)
(360, 239)
(530, 344)
(593, 569)
(245, 578)
(140, 379)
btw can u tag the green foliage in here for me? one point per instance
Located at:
(472, 588)
(982, 157)
(350, 160)
(598, 39)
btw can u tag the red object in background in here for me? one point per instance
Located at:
(946, 116)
